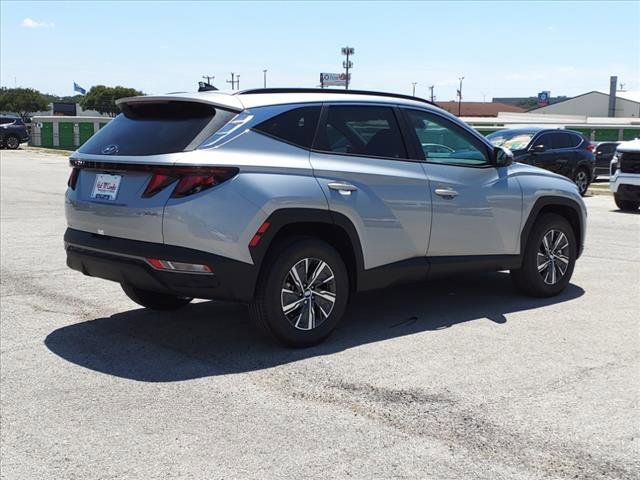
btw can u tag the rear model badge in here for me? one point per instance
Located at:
(110, 149)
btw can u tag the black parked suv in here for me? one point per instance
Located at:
(564, 152)
(604, 154)
(13, 132)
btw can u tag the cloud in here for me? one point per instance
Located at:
(31, 23)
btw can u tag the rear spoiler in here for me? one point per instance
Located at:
(222, 100)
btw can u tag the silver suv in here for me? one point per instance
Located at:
(290, 200)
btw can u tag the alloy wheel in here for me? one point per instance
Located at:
(582, 181)
(308, 293)
(553, 257)
(12, 142)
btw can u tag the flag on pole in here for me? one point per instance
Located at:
(79, 89)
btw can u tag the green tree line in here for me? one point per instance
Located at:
(25, 101)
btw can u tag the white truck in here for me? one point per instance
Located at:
(624, 181)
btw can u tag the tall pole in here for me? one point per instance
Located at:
(347, 64)
(233, 80)
(460, 96)
(431, 88)
(238, 81)
(264, 72)
(414, 87)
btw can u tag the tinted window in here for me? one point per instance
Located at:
(556, 140)
(361, 130)
(152, 128)
(574, 140)
(607, 148)
(296, 126)
(5, 120)
(444, 142)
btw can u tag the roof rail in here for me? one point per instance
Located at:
(326, 90)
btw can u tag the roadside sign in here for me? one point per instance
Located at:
(333, 79)
(543, 98)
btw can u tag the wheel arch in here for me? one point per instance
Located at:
(565, 207)
(332, 227)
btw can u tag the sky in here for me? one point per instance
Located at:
(501, 49)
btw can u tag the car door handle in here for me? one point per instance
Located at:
(342, 188)
(446, 192)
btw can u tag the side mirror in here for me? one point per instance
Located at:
(502, 157)
(538, 149)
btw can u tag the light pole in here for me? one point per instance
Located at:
(431, 88)
(460, 96)
(414, 87)
(264, 72)
(347, 64)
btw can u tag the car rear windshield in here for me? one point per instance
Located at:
(511, 140)
(152, 128)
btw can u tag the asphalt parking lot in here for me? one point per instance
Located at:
(455, 379)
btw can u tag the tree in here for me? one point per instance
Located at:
(103, 98)
(22, 101)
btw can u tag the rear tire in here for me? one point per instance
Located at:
(549, 258)
(582, 180)
(302, 292)
(626, 205)
(154, 300)
(12, 142)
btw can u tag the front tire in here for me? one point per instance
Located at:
(625, 205)
(154, 300)
(582, 180)
(302, 292)
(549, 258)
(12, 142)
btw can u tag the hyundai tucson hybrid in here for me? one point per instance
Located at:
(564, 152)
(291, 200)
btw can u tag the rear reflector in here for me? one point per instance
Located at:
(179, 267)
(255, 241)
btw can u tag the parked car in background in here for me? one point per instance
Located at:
(624, 180)
(564, 152)
(13, 132)
(290, 200)
(604, 152)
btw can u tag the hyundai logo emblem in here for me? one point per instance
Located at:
(110, 149)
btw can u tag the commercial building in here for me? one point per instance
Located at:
(595, 104)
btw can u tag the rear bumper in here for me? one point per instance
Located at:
(123, 261)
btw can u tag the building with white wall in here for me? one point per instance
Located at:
(595, 104)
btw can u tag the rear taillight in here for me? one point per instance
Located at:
(191, 180)
(158, 182)
(73, 178)
(590, 146)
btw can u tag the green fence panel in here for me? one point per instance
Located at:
(606, 135)
(630, 133)
(102, 124)
(86, 131)
(65, 134)
(46, 134)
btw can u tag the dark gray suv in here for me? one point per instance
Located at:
(13, 132)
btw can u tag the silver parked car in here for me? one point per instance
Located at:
(289, 200)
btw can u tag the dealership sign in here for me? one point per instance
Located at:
(543, 99)
(338, 79)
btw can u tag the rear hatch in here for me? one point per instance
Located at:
(123, 176)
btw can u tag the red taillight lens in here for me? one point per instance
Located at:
(157, 183)
(196, 179)
(73, 178)
(591, 147)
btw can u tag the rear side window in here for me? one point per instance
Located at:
(557, 140)
(297, 126)
(574, 140)
(361, 130)
(153, 128)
